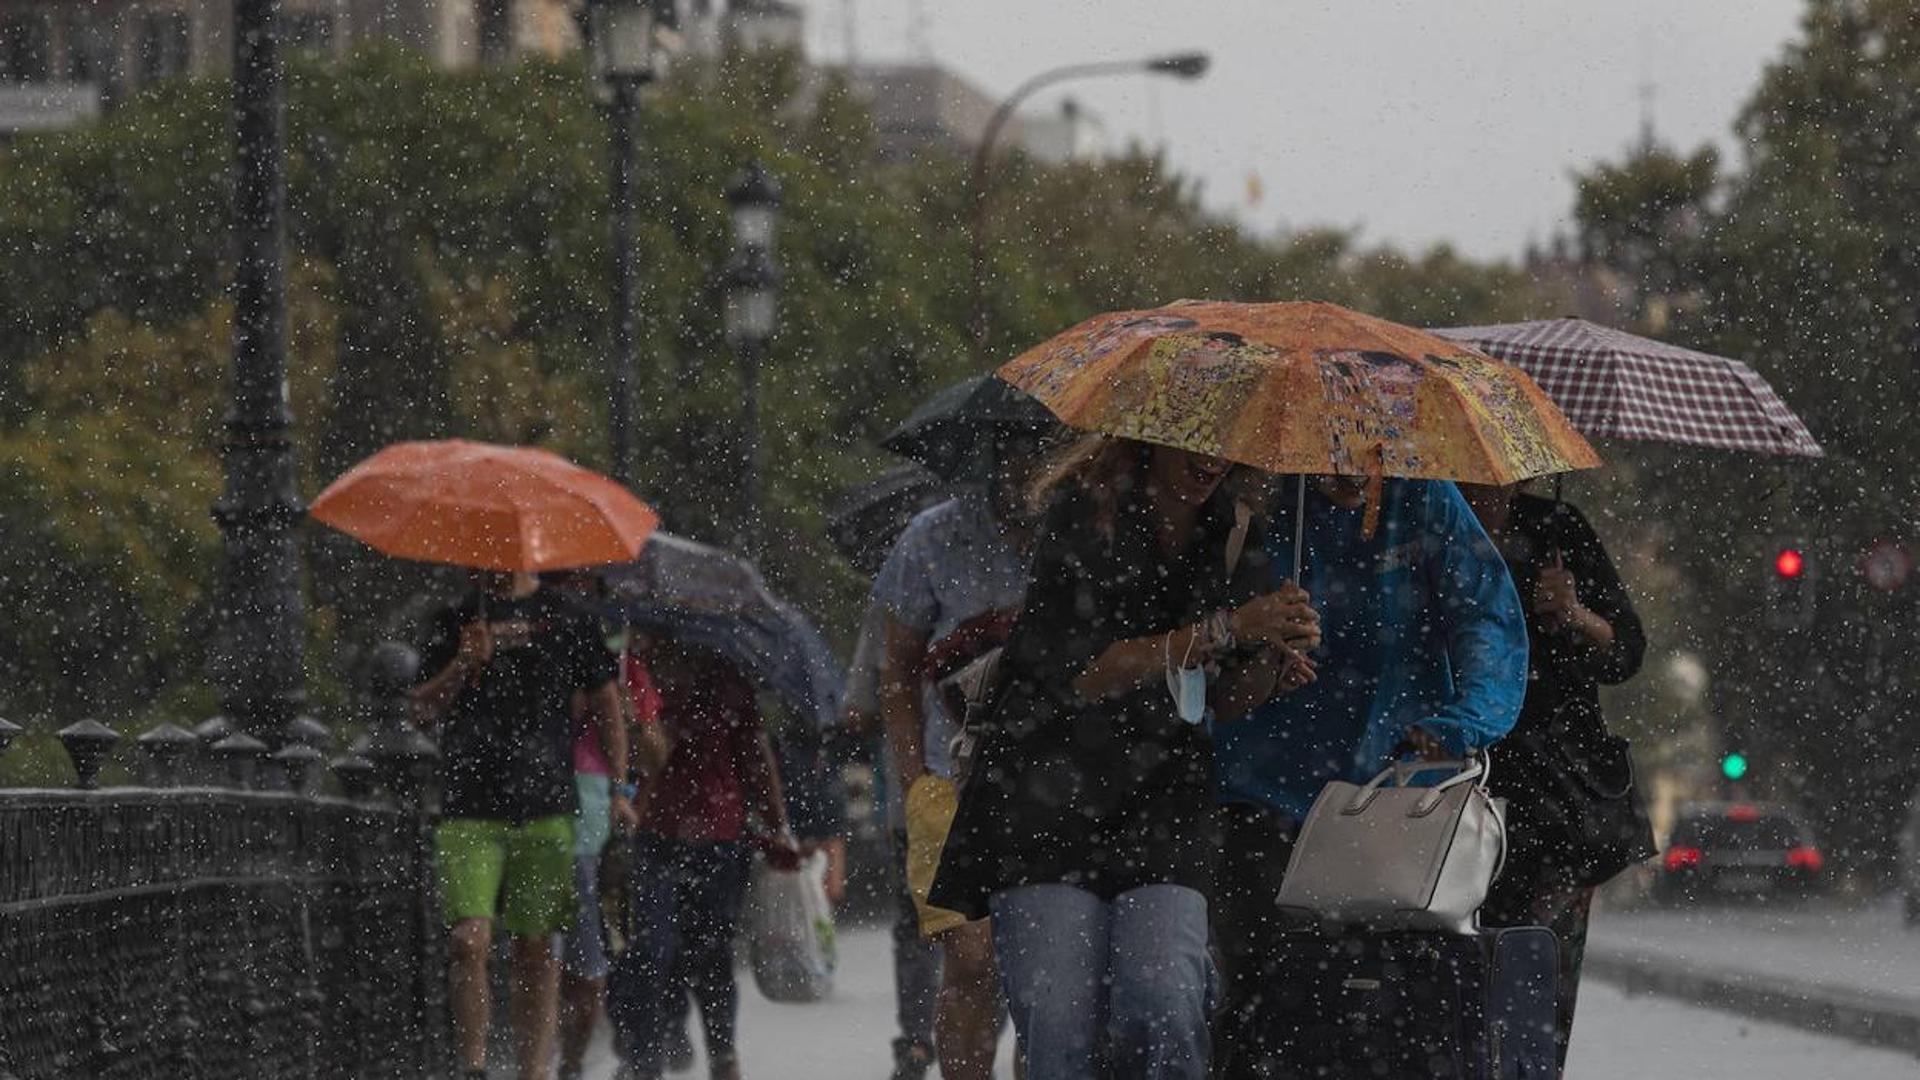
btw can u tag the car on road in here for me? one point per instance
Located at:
(1738, 850)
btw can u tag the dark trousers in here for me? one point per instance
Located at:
(916, 961)
(1248, 929)
(685, 908)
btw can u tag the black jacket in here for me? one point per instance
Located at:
(1560, 748)
(1110, 795)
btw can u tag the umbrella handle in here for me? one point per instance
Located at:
(1299, 525)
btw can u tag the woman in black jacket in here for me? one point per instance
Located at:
(1086, 823)
(1574, 819)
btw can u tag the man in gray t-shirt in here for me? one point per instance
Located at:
(957, 569)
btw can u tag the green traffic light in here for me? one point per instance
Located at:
(1733, 766)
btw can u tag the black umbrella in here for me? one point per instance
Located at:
(867, 519)
(710, 597)
(945, 432)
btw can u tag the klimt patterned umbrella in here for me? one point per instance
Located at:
(1615, 384)
(1302, 387)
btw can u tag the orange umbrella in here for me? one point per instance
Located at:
(1302, 387)
(485, 506)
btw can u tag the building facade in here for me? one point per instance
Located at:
(62, 62)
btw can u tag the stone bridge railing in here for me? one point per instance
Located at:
(242, 913)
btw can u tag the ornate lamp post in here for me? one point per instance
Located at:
(754, 200)
(624, 56)
(259, 662)
(1179, 66)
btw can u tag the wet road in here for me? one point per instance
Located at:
(846, 1037)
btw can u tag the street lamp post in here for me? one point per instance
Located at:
(259, 658)
(623, 57)
(752, 276)
(1179, 66)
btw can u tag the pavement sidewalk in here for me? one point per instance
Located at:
(1848, 970)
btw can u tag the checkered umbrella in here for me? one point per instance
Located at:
(1612, 383)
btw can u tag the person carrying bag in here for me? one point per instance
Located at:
(1577, 817)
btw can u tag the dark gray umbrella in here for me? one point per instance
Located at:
(951, 432)
(867, 518)
(710, 597)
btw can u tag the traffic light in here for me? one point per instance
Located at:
(1733, 765)
(1791, 581)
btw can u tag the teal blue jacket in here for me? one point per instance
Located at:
(1421, 626)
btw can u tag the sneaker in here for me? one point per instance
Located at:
(911, 1060)
(679, 1048)
(725, 1068)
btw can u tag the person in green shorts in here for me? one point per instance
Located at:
(504, 667)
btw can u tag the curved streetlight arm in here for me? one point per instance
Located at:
(1183, 66)
(984, 152)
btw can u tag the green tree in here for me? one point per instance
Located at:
(1802, 264)
(449, 236)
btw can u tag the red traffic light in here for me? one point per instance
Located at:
(1789, 563)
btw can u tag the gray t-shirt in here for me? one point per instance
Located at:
(952, 564)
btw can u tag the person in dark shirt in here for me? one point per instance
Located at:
(1086, 821)
(504, 666)
(1582, 633)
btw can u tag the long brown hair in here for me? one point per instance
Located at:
(1109, 466)
(1105, 465)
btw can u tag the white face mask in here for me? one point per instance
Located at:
(1189, 689)
(1187, 686)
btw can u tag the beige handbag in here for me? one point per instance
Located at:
(1399, 857)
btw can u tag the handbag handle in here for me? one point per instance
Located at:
(1477, 768)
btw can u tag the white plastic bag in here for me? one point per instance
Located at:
(790, 933)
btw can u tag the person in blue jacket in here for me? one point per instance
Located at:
(1424, 650)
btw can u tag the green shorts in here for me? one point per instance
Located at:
(533, 860)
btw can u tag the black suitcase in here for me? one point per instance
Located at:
(1391, 1005)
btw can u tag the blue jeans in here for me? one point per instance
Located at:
(685, 908)
(1101, 989)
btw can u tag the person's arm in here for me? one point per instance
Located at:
(428, 703)
(604, 712)
(909, 609)
(1246, 686)
(860, 698)
(764, 788)
(835, 848)
(900, 700)
(1483, 624)
(1284, 619)
(1599, 614)
(760, 783)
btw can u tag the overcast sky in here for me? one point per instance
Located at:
(1419, 121)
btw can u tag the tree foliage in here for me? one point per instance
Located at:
(451, 266)
(1801, 262)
